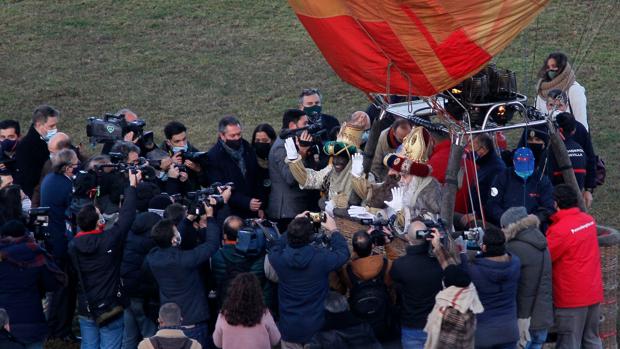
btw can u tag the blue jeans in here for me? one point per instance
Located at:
(109, 336)
(412, 338)
(137, 325)
(199, 332)
(538, 339)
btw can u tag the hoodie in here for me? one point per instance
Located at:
(497, 284)
(534, 297)
(303, 284)
(137, 246)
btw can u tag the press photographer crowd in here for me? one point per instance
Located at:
(249, 244)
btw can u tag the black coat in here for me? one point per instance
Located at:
(98, 254)
(222, 168)
(30, 156)
(137, 246)
(417, 280)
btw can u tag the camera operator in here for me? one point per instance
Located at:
(128, 116)
(367, 276)
(303, 271)
(96, 255)
(286, 199)
(417, 280)
(31, 152)
(176, 145)
(27, 271)
(10, 135)
(171, 178)
(232, 160)
(229, 261)
(178, 272)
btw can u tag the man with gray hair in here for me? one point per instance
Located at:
(169, 336)
(416, 290)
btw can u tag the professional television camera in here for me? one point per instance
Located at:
(113, 127)
(209, 196)
(316, 130)
(255, 235)
(38, 221)
(377, 236)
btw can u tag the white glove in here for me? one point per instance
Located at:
(524, 331)
(329, 207)
(357, 164)
(397, 199)
(291, 150)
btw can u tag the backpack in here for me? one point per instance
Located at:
(369, 299)
(170, 343)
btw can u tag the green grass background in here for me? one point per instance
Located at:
(196, 61)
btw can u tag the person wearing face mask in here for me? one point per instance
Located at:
(178, 271)
(263, 138)
(336, 178)
(523, 184)
(232, 159)
(389, 140)
(31, 152)
(59, 142)
(96, 255)
(171, 178)
(578, 158)
(175, 145)
(10, 135)
(557, 73)
(310, 101)
(56, 193)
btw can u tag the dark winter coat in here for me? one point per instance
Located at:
(137, 246)
(496, 283)
(30, 156)
(27, 272)
(582, 137)
(303, 284)
(178, 276)
(98, 255)
(489, 166)
(8, 341)
(222, 168)
(286, 200)
(578, 160)
(344, 330)
(534, 297)
(56, 193)
(507, 191)
(417, 279)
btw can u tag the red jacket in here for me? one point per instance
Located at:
(439, 161)
(573, 244)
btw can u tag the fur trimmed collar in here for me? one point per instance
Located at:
(531, 221)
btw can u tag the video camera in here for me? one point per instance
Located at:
(198, 199)
(377, 235)
(255, 235)
(38, 221)
(119, 166)
(316, 130)
(113, 127)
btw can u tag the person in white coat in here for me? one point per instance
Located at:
(557, 73)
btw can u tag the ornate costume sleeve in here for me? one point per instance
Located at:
(307, 178)
(361, 186)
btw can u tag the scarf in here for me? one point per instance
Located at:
(391, 139)
(236, 155)
(339, 187)
(459, 298)
(24, 252)
(561, 82)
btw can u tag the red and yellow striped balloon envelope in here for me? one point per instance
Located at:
(429, 45)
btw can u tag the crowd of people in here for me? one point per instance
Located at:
(238, 247)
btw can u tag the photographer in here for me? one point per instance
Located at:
(177, 145)
(286, 200)
(31, 152)
(96, 255)
(10, 135)
(27, 271)
(171, 178)
(133, 134)
(367, 275)
(303, 270)
(229, 261)
(178, 272)
(417, 280)
(232, 160)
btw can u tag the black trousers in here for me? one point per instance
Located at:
(62, 302)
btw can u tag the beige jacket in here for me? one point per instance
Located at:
(167, 333)
(378, 168)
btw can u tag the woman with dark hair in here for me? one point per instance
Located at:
(11, 204)
(244, 320)
(557, 73)
(263, 138)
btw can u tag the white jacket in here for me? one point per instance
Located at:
(577, 103)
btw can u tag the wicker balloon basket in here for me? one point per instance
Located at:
(609, 240)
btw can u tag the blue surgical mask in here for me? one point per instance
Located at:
(365, 136)
(51, 133)
(179, 149)
(163, 176)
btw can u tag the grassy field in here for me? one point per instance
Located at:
(199, 60)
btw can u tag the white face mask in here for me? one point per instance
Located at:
(554, 114)
(50, 133)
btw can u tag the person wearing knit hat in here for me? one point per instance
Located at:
(534, 295)
(335, 179)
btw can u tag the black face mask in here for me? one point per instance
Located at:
(234, 144)
(537, 150)
(262, 149)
